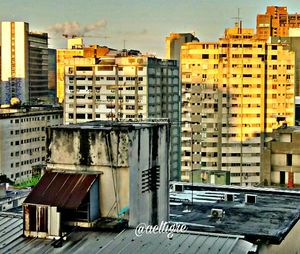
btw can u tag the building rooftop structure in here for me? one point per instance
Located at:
(261, 215)
(80, 241)
(12, 199)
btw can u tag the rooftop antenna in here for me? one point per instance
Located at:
(238, 22)
(124, 44)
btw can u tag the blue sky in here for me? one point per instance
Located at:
(143, 24)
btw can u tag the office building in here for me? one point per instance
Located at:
(276, 22)
(23, 139)
(124, 88)
(234, 92)
(38, 67)
(24, 63)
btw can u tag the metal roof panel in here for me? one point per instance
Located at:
(62, 190)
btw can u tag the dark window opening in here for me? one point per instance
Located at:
(289, 159)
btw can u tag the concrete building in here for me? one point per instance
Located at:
(98, 174)
(11, 199)
(24, 63)
(281, 158)
(72, 54)
(38, 67)
(174, 42)
(265, 217)
(124, 87)
(23, 140)
(276, 22)
(234, 92)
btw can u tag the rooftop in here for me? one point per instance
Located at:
(107, 125)
(26, 111)
(12, 241)
(269, 219)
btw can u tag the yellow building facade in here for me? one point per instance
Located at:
(75, 49)
(234, 92)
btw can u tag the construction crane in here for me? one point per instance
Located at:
(72, 36)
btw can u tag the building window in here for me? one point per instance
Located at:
(80, 116)
(205, 56)
(274, 57)
(289, 159)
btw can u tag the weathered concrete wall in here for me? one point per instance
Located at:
(121, 156)
(88, 147)
(145, 154)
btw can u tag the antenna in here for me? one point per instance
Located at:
(238, 22)
(124, 44)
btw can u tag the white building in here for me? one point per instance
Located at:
(131, 87)
(23, 140)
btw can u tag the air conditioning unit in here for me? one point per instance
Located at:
(229, 197)
(250, 199)
(217, 213)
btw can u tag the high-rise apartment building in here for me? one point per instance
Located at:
(276, 22)
(234, 92)
(124, 87)
(24, 63)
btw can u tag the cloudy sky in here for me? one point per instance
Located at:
(142, 24)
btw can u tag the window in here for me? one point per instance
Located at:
(84, 68)
(80, 116)
(289, 159)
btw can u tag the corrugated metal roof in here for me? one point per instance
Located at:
(123, 242)
(61, 189)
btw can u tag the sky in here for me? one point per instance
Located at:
(139, 24)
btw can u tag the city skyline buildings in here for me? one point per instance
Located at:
(234, 93)
(147, 32)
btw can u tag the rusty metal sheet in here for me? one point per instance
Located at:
(62, 190)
